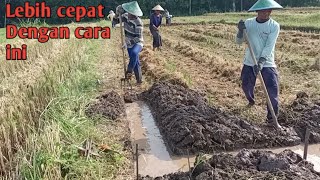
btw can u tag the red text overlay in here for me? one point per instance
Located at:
(44, 34)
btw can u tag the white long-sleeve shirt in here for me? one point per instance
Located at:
(110, 16)
(262, 38)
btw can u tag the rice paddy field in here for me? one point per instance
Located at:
(43, 100)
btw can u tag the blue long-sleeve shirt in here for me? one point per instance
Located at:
(155, 20)
(262, 38)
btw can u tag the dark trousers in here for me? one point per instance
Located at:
(157, 41)
(270, 77)
(168, 21)
(134, 63)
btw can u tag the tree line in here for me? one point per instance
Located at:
(175, 7)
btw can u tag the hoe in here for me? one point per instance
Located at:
(125, 82)
(274, 117)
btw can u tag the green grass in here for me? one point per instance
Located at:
(171, 66)
(66, 127)
(2, 35)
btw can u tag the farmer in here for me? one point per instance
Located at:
(262, 33)
(155, 23)
(168, 17)
(110, 17)
(133, 28)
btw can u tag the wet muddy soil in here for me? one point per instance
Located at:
(110, 105)
(188, 123)
(248, 164)
(303, 113)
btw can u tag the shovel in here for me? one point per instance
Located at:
(274, 117)
(124, 81)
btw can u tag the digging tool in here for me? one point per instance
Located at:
(274, 117)
(160, 40)
(124, 81)
(306, 144)
(137, 160)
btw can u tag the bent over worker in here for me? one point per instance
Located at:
(262, 33)
(155, 23)
(133, 28)
(168, 17)
(110, 17)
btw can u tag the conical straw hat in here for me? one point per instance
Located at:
(132, 8)
(158, 8)
(265, 4)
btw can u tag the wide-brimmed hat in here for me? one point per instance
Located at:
(265, 4)
(132, 8)
(158, 8)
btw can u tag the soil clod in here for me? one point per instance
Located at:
(304, 113)
(109, 105)
(249, 164)
(130, 97)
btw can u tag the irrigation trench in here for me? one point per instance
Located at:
(154, 157)
(158, 155)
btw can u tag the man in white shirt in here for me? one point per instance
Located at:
(168, 17)
(111, 16)
(262, 32)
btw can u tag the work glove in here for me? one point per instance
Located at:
(124, 46)
(257, 68)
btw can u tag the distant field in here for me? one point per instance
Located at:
(306, 19)
(287, 20)
(202, 51)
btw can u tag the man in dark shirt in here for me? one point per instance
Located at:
(155, 23)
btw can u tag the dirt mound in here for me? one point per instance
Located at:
(301, 114)
(130, 96)
(109, 105)
(249, 164)
(187, 122)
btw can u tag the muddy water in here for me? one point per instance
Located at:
(154, 158)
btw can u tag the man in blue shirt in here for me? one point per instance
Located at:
(155, 23)
(262, 32)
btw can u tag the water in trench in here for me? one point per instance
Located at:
(154, 158)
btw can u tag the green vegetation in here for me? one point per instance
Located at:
(2, 35)
(66, 127)
(171, 66)
(42, 116)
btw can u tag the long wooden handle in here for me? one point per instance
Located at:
(122, 44)
(274, 117)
